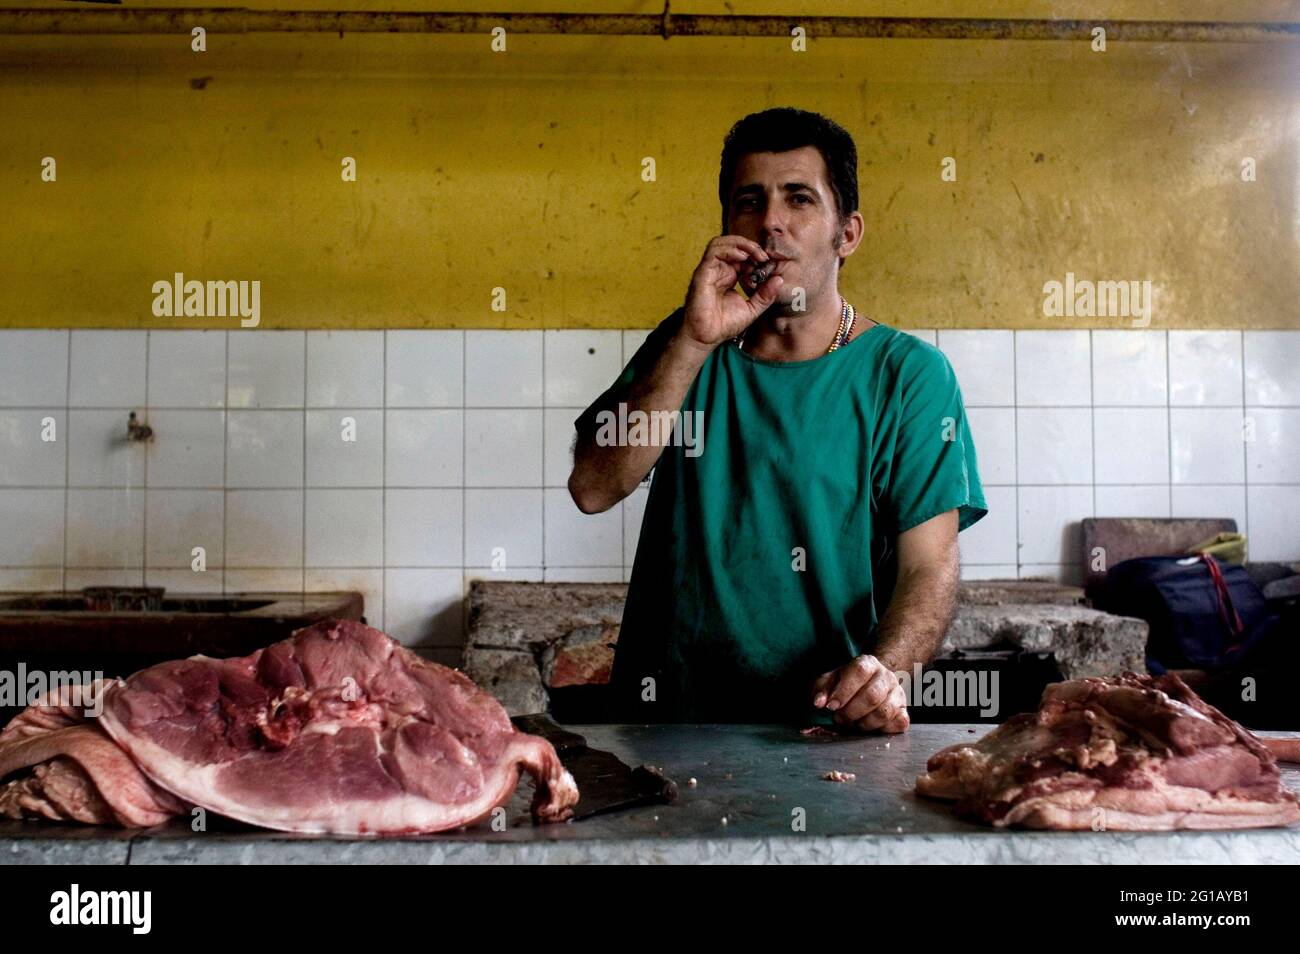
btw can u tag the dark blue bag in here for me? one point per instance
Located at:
(1203, 613)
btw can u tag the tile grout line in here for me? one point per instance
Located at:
(1245, 448)
(67, 466)
(144, 480)
(1169, 418)
(225, 466)
(622, 513)
(397, 566)
(1015, 428)
(1092, 425)
(303, 449)
(543, 403)
(383, 482)
(1039, 483)
(464, 498)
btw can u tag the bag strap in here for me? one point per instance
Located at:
(1233, 623)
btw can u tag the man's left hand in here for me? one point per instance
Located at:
(864, 694)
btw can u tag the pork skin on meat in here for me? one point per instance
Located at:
(1132, 753)
(338, 730)
(67, 769)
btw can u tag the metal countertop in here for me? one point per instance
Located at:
(754, 784)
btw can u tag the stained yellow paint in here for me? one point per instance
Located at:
(522, 171)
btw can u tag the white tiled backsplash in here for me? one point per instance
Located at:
(461, 446)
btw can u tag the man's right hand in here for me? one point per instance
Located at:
(864, 694)
(715, 311)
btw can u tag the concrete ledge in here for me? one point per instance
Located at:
(1084, 642)
(1003, 592)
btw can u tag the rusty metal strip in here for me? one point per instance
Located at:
(46, 21)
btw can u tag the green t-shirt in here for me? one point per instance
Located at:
(767, 550)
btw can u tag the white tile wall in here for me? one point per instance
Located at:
(99, 454)
(1049, 530)
(33, 521)
(1132, 500)
(461, 455)
(106, 528)
(503, 447)
(1218, 500)
(503, 528)
(107, 368)
(33, 368)
(194, 455)
(1273, 452)
(503, 369)
(264, 529)
(1272, 361)
(1206, 445)
(1132, 445)
(424, 448)
(345, 448)
(985, 363)
(574, 538)
(266, 369)
(558, 440)
(187, 369)
(1128, 423)
(993, 539)
(425, 369)
(1205, 368)
(263, 448)
(33, 447)
(1274, 539)
(424, 527)
(177, 521)
(424, 607)
(1054, 445)
(1128, 368)
(579, 365)
(344, 528)
(1053, 369)
(345, 369)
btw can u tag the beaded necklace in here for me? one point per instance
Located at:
(847, 319)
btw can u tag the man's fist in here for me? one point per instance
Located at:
(865, 695)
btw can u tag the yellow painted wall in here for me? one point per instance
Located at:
(522, 170)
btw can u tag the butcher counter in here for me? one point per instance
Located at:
(758, 796)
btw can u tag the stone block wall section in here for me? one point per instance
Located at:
(527, 638)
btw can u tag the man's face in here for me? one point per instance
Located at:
(783, 201)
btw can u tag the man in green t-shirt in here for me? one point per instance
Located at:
(811, 467)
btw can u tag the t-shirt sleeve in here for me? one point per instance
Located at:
(930, 465)
(640, 363)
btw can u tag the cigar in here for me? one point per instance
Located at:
(760, 273)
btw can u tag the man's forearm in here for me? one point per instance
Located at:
(604, 475)
(920, 611)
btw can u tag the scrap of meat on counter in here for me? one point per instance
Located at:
(1133, 753)
(835, 775)
(818, 731)
(338, 729)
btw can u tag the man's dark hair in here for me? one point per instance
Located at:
(785, 128)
